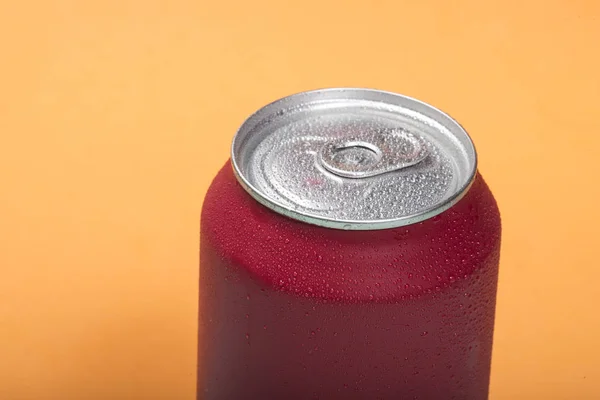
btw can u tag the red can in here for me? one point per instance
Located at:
(349, 251)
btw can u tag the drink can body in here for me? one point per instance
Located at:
(301, 309)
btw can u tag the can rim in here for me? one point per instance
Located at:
(333, 223)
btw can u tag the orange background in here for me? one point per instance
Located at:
(115, 115)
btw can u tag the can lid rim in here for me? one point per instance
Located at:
(349, 224)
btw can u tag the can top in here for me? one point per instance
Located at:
(357, 159)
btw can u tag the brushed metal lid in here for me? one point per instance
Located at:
(356, 159)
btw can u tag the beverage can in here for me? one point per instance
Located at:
(349, 250)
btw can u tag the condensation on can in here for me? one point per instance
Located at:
(354, 159)
(397, 301)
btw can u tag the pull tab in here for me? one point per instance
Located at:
(354, 157)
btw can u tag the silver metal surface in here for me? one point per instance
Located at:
(355, 159)
(372, 153)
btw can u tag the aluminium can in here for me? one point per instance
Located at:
(349, 250)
